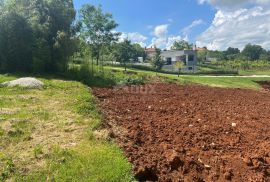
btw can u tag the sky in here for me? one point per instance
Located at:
(216, 24)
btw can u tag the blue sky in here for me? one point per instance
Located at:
(204, 22)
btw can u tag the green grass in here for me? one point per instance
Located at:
(229, 82)
(225, 82)
(254, 72)
(47, 135)
(88, 162)
(102, 77)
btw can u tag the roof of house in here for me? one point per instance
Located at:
(150, 50)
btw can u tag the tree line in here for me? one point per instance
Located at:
(249, 53)
(36, 35)
(46, 35)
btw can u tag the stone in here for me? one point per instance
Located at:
(248, 161)
(27, 82)
(207, 167)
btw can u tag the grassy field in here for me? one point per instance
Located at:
(229, 82)
(47, 135)
(254, 72)
(224, 82)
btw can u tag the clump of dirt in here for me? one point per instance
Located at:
(191, 133)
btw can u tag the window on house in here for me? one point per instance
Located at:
(190, 68)
(183, 59)
(168, 61)
(191, 57)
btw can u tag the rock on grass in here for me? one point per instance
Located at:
(27, 82)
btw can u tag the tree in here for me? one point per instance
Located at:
(201, 55)
(219, 55)
(232, 50)
(97, 28)
(124, 52)
(179, 65)
(137, 51)
(265, 56)
(157, 61)
(181, 45)
(16, 40)
(231, 53)
(253, 52)
(39, 33)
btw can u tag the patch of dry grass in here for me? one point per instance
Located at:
(33, 123)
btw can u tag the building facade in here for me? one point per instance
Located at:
(188, 57)
(150, 52)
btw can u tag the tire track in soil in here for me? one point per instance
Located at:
(185, 133)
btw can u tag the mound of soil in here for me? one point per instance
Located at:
(191, 133)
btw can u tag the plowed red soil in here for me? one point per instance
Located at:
(191, 133)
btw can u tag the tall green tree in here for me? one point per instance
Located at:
(15, 43)
(138, 51)
(157, 61)
(253, 52)
(44, 27)
(123, 52)
(61, 14)
(97, 28)
(181, 45)
(232, 50)
(231, 53)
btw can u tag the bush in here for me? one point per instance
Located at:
(100, 77)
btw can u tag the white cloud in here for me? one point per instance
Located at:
(159, 42)
(160, 36)
(231, 4)
(171, 40)
(165, 42)
(162, 39)
(134, 37)
(237, 28)
(161, 30)
(188, 29)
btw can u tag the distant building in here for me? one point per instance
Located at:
(188, 57)
(150, 52)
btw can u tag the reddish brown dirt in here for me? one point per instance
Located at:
(185, 133)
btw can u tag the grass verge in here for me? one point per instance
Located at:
(229, 82)
(47, 135)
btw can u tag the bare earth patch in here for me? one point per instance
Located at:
(191, 133)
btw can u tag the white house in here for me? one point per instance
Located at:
(188, 57)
